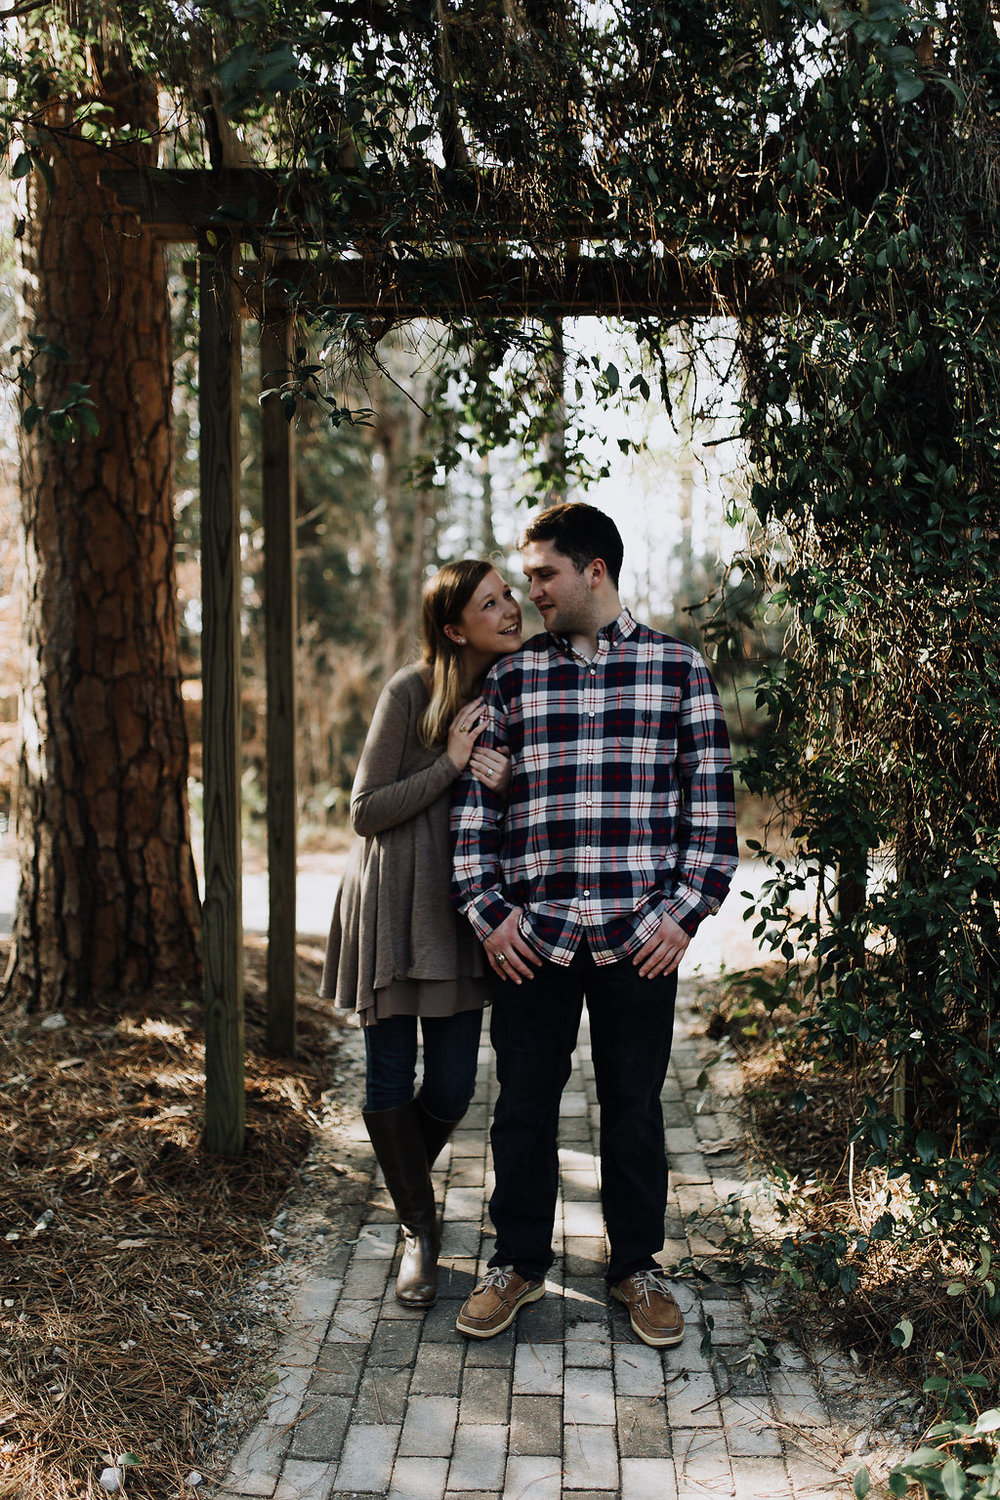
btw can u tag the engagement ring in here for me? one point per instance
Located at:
(501, 959)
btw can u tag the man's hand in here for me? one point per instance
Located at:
(661, 953)
(508, 953)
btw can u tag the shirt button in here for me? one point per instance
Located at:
(592, 712)
(586, 893)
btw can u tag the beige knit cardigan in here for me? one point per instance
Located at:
(393, 917)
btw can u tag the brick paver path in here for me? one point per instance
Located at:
(375, 1400)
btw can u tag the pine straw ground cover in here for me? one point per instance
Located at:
(900, 1319)
(125, 1250)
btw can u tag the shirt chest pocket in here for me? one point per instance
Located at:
(641, 721)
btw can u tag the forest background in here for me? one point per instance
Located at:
(367, 538)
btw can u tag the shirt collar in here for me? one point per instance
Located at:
(619, 630)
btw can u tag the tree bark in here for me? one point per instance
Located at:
(108, 904)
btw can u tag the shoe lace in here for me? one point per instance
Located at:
(498, 1276)
(650, 1281)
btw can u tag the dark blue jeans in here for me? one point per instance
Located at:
(533, 1029)
(451, 1051)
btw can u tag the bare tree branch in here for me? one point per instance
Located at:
(14, 12)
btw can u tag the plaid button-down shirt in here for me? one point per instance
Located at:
(621, 805)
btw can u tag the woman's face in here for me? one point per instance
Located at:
(491, 621)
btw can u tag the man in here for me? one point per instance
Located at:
(616, 840)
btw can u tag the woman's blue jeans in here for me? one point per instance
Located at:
(451, 1052)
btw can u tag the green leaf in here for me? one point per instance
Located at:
(862, 1483)
(235, 68)
(953, 1480)
(908, 87)
(904, 1328)
(21, 167)
(956, 90)
(920, 1459)
(927, 1147)
(988, 1421)
(956, 1289)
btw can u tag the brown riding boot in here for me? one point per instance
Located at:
(436, 1133)
(399, 1146)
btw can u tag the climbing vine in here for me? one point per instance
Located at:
(871, 421)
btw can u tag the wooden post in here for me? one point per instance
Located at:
(278, 470)
(222, 919)
(555, 438)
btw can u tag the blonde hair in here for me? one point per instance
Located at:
(445, 597)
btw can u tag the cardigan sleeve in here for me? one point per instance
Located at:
(380, 797)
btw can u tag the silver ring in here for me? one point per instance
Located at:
(489, 773)
(501, 959)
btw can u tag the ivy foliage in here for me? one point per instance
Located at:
(871, 420)
(823, 178)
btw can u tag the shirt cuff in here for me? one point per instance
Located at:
(486, 912)
(688, 908)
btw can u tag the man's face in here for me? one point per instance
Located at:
(562, 596)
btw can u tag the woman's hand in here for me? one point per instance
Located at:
(466, 727)
(492, 768)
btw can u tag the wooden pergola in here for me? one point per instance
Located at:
(217, 210)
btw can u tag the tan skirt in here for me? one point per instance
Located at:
(427, 997)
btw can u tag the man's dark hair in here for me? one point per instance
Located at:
(581, 533)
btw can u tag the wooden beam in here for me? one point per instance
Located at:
(404, 244)
(278, 469)
(178, 206)
(222, 916)
(665, 287)
(478, 210)
(480, 205)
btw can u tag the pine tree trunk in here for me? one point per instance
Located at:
(108, 903)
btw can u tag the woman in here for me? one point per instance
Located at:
(398, 951)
